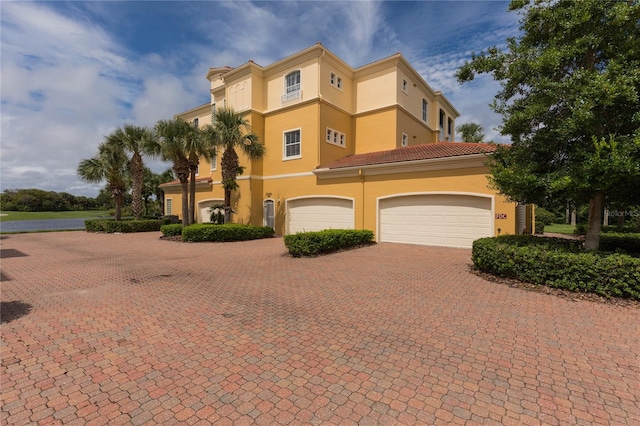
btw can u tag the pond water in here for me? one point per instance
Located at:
(41, 225)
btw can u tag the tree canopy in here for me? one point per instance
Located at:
(570, 101)
(470, 132)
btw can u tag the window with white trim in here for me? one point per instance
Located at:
(213, 112)
(196, 122)
(214, 161)
(336, 138)
(405, 86)
(449, 129)
(292, 144)
(405, 139)
(441, 125)
(425, 105)
(335, 80)
(292, 86)
(168, 206)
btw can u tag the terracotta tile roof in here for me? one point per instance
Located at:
(412, 153)
(206, 179)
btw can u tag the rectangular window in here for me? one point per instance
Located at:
(291, 87)
(449, 128)
(196, 122)
(339, 83)
(405, 139)
(332, 80)
(424, 110)
(168, 206)
(214, 162)
(292, 144)
(336, 81)
(213, 113)
(336, 138)
(441, 125)
(405, 86)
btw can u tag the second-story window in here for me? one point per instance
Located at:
(292, 144)
(424, 110)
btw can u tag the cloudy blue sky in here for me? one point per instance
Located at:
(71, 72)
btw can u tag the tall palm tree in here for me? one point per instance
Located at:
(199, 143)
(137, 141)
(171, 146)
(109, 164)
(233, 131)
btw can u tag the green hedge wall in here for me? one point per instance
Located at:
(327, 241)
(228, 232)
(558, 263)
(171, 230)
(124, 226)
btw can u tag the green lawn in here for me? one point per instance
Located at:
(560, 228)
(81, 214)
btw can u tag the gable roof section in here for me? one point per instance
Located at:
(412, 153)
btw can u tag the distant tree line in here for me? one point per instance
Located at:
(38, 200)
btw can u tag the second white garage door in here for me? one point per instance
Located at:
(318, 213)
(435, 219)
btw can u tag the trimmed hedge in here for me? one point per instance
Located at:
(171, 230)
(202, 232)
(327, 241)
(125, 226)
(612, 241)
(558, 263)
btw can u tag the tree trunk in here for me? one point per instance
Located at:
(137, 171)
(230, 164)
(185, 200)
(192, 196)
(227, 206)
(116, 194)
(592, 239)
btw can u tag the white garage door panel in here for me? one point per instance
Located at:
(441, 220)
(316, 214)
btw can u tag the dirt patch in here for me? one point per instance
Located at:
(565, 294)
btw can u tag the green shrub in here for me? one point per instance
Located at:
(171, 230)
(540, 227)
(544, 216)
(220, 233)
(554, 263)
(627, 242)
(125, 226)
(327, 241)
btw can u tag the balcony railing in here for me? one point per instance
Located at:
(293, 93)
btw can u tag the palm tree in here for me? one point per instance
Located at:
(171, 146)
(137, 141)
(109, 164)
(233, 131)
(200, 143)
(471, 132)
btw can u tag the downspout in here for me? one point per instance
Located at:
(362, 206)
(319, 104)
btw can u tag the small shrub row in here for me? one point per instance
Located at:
(171, 230)
(628, 242)
(124, 226)
(558, 264)
(202, 232)
(327, 241)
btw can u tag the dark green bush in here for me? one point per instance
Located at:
(544, 216)
(125, 226)
(220, 233)
(550, 262)
(171, 230)
(626, 242)
(327, 241)
(540, 227)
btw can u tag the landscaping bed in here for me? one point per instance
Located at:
(563, 263)
(208, 232)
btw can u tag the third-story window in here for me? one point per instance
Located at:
(292, 144)
(339, 83)
(449, 129)
(441, 125)
(293, 82)
(424, 110)
(195, 122)
(405, 139)
(332, 80)
(405, 86)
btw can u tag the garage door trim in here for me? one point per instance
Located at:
(409, 194)
(306, 197)
(199, 209)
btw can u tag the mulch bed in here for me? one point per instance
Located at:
(565, 294)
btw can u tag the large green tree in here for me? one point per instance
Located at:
(570, 100)
(110, 165)
(232, 131)
(137, 141)
(199, 143)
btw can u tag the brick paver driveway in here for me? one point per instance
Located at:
(129, 329)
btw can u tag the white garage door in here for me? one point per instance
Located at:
(204, 215)
(318, 213)
(439, 220)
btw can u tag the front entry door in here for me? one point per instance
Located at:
(269, 217)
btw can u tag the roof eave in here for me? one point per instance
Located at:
(429, 164)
